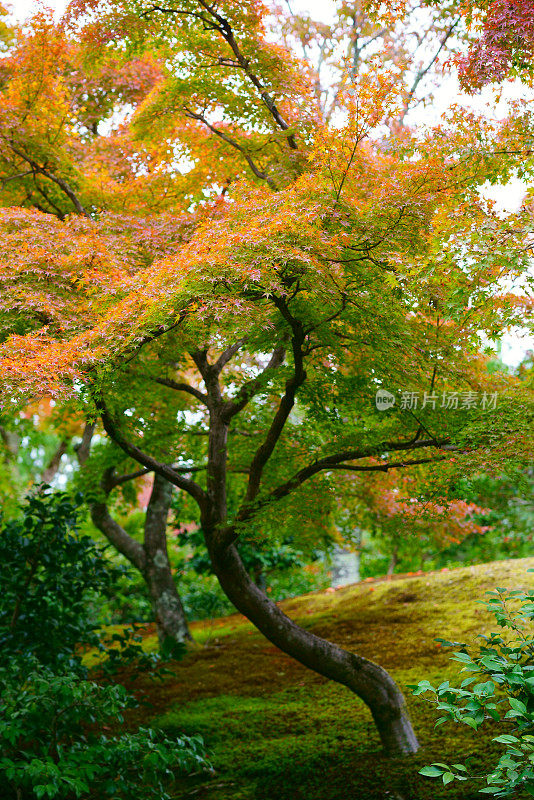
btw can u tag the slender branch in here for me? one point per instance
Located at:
(14, 177)
(421, 74)
(133, 351)
(330, 462)
(135, 452)
(225, 29)
(215, 21)
(177, 386)
(346, 172)
(250, 388)
(50, 175)
(249, 509)
(112, 481)
(389, 465)
(265, 450)
(232, 142)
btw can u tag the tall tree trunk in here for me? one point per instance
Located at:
(151, 559)
(170, 617)
(393, 561)
(367, 680)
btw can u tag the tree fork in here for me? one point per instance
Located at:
(370, 682)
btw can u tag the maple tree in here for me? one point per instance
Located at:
(399, 509)
(505, 48)
(499, 35)
(221, 274)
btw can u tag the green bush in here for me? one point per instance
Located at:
(51, 746)
(54, 582)
(49, 574)
(51, 739)
(499, 688)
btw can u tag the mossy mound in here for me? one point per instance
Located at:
(277, 731)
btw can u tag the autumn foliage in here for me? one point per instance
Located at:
(220, 236)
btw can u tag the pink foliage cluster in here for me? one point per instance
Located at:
(507, 42)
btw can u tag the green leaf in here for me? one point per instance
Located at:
(470, 721)
(431, 771)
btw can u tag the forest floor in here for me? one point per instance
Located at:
(277, 731)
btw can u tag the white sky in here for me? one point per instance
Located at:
(508, 198)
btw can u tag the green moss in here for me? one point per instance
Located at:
(278, 730)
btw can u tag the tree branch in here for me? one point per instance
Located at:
(177, 386)
(52, 467)
(421, 74)
(83, 449)
(135, 452)
(63, 185)
(228, 354)
(225, 29)
(249, 509)
(265, 450)
(116, 534)
(388, 465)
(232, 142)
(250, 388)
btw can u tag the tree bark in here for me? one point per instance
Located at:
(52, 467)
(152, 559)
(171, 621)
(393, 561)
(366, 679)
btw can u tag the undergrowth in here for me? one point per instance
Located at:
(277, 731)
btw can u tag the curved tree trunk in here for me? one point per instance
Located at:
(170, 617)
(152, 560)
(368, 680)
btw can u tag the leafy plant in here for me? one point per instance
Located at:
(51, 744)
(51, 739)
(499, 688)
(48, 575)
(52, 582)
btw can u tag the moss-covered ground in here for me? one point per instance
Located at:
(277, 731)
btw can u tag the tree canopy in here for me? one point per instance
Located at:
(220, 260)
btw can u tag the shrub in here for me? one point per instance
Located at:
(51, 739)
(50, 745)
(54, 582)
(499, 687)
(48, 575)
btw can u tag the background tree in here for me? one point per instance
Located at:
(150, 556)
(406, 520)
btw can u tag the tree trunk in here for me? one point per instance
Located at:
(170, 617)
(393, 561)
(151, 559)
(367, 680)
